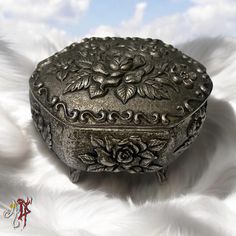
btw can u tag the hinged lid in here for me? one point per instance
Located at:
(120, 82)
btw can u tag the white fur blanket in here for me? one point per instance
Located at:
(198, 199)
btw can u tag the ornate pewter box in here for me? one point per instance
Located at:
(119, 104)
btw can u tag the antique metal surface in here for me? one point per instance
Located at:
(119, 104)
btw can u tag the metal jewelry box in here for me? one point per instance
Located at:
(119, 104)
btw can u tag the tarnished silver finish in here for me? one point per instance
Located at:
(119, 104)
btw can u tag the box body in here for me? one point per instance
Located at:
(118, 104)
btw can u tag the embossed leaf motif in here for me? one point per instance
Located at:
(78, 84)
(96, 91)
(152, 89)
(95, 168)
(157, 144)
(84, 64)
(125, 92)
(87, 159)
(100, 68)
(96, 142)
(61, 75)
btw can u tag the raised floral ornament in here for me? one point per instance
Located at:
(129, 73)
(130, 154)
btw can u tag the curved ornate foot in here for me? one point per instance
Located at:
(74, 175)
(162, 175)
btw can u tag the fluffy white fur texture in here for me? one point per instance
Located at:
(198, 199)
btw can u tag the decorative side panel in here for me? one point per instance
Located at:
(193, 129)
(114, 151)
(43, 126)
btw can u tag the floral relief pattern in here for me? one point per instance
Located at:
(181, 74)
(193, 129)
(43, 128)
(129, 154)
(129, 68)
(62, 69)
(197, 121)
